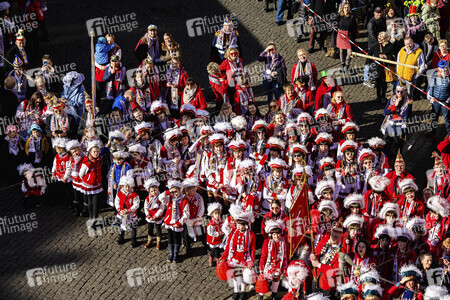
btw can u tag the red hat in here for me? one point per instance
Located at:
(237, 145)
(299, 148)
(347, 145)
(350, 126)
(277, 163)
(324, 137)
(217, 138)
(260, 124)
(366, 154)
(184, 130)
(338, 227)
(322, 113)
(326, 162)
(399, 158)
(413, 11)
(304, 118)
(275, 142)
(206, 129)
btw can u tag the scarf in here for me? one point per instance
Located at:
(189, 95)
(305, 69)
(275, 258)
(241, 246)
(114, 85)
(173, 77)
(287, 104)
(153, 46)
(226, 40)
(14, 145)
(59, 123)
(245, 97)
(175, 213)
(110, 199)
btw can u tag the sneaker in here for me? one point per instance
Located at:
(369, 84)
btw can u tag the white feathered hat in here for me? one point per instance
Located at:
(326, 161)
(190, 182)
(237, 144)
(438, 205)
(349, 144)
(222, 127)
(206, 129)
(150, 183)
(324, 184)
(370, 276)
(417, 225)
(171, 133)
(126, 180)
(238, 123)
(188, 108)
(212, 207)
(410, 270)
(297, 273)
(120, 154)
(247, 163)
(24, 167)
(322, 112)
(275, 142)
(365, 154)
(202, 113)
(137, 148)
(304, 117)
(238, 213)
(92, 144)
(277, 163)
(376, 142)
(116, 134)
(406, 184)
(217, 138)
(372, 290)
(331, 205)
(350, 126)
(379, 183)
(324, 137)
(354, 199)
(435, 292)
(348, 288)
(353, 219)
(59, 142)
(298, 147)
(298, 171)
(389, 206)
(404, 232)
(174, 183)
(384, 229)
(143, 126)
(157, 105)
(291, 126)
(273, 224)
(72, 144)
(260, 124)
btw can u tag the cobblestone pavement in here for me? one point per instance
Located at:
(97, 264)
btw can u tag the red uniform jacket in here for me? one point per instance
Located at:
(240, 250)
(392, 188)
(322, 94)
(328, 271)
(214, 234)
(444, 148)
(199, 100)
(92, 180)
(412, 209)
(59, 166)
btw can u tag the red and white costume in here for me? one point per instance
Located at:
(177, 212)
(127, 203)
(91, 175)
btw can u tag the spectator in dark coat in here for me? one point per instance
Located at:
(376, 25)
(324, 10)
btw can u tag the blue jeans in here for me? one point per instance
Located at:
(272, 89)
(436, 108)
(366, 72)
(280, 11)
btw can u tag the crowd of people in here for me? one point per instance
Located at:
(229, 176)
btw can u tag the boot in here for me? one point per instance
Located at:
(120, 240)
(170, 258)
(261, 297)
(328, 54)
(176, 249)
(242, 296)
(335, 55)
(211, 261)
(273, 296)
(149, 241)
(158, 243)
(133, 242)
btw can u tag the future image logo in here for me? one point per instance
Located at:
(208, 25)
(52, 274)
(102, 26)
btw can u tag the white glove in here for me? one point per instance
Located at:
(429, 97)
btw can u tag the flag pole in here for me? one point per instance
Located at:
(93, 89)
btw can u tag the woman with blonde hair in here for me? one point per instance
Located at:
(340, 111)
(304, 67)
(169, 48)
(347, 28)
(383, 49)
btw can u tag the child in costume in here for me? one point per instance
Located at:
(127, 203)
(33, 185)
(214, 234)
(154, 211)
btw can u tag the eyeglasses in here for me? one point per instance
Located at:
(275, 208)
(273, 106)
(233, 53)
(297, 155)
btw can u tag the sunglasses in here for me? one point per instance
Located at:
(273, 106)
(297, 155)
(233, 53)
(399, 91)
(275, 208)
